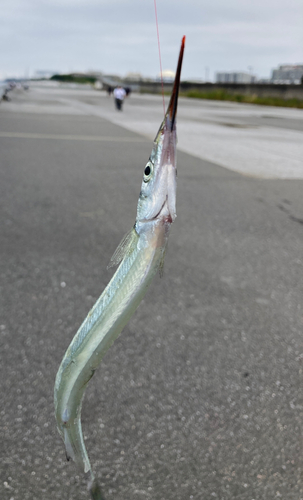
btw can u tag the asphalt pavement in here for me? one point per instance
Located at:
(201, 395)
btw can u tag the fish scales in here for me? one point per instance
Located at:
(140, 255)
(97, 312)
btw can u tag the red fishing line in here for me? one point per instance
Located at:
(159, 55)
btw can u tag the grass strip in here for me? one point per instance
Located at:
(223, 95)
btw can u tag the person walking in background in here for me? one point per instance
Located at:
(119, 95)
(128, 90)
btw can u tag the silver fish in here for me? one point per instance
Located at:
(140, 255)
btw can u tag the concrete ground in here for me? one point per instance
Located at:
(259, 141)
(201, 395)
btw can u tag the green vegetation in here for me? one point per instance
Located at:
(223, 95)
(74, 78)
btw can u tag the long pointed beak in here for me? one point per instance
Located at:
(170, 116)
(173, 103)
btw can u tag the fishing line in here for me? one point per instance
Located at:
(155, 4)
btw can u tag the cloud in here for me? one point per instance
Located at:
(120, 36)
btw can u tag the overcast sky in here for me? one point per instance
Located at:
(118, 36)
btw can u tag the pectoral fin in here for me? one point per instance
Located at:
(125, 248)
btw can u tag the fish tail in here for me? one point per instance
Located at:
(95, 490)
(74, 445)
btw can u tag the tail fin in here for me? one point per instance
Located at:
(95, 491)
(74, 445)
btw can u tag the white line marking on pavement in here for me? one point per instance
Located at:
(25, 135)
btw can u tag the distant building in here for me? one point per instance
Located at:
(287, 73)
(98, 85)
(134, 77)
(168, 76)
(236, 77)
(264, 80)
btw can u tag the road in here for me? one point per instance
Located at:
(201, 395)
(260, 141)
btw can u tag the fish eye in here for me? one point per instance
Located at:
(148, 172)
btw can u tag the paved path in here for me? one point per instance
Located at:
(258, 141)
(201, 395)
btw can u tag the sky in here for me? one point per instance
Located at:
(120, 36)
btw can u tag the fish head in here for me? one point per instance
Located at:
(157, 200)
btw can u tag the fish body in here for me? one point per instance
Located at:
(140, 255)
(103, 324)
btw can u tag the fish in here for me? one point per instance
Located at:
(139, 257)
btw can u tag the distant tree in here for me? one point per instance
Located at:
(74, 78)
